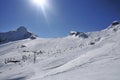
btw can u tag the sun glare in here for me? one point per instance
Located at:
(42, 5)
(39, 2)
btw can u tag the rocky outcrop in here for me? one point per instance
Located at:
(78, 34)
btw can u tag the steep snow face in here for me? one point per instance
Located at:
(19, 34)
(96, 57)
(113, 28)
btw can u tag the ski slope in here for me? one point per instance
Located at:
(96, 57)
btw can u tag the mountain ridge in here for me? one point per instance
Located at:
(18, 34)
(22, 33)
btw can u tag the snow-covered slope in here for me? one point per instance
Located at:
(96, 57)
(19, 34)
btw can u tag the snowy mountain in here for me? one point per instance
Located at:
(78, 34)
(19, 34)
(75, 57)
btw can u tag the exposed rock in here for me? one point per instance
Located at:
(114, 23)
(78, 34)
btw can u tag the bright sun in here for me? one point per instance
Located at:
(40, 3)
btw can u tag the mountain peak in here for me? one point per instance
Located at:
(115, 26)
(19, 34)
(114, 23)
(78, 34)
(22, 29)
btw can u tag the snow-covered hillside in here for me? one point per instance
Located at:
(19, 34)
(79, 56)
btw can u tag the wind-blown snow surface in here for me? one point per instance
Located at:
(71, 58)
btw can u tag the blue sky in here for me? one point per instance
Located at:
(62, 16)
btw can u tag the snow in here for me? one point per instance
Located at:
(19, 34)
(78, 34)
(68, 58)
